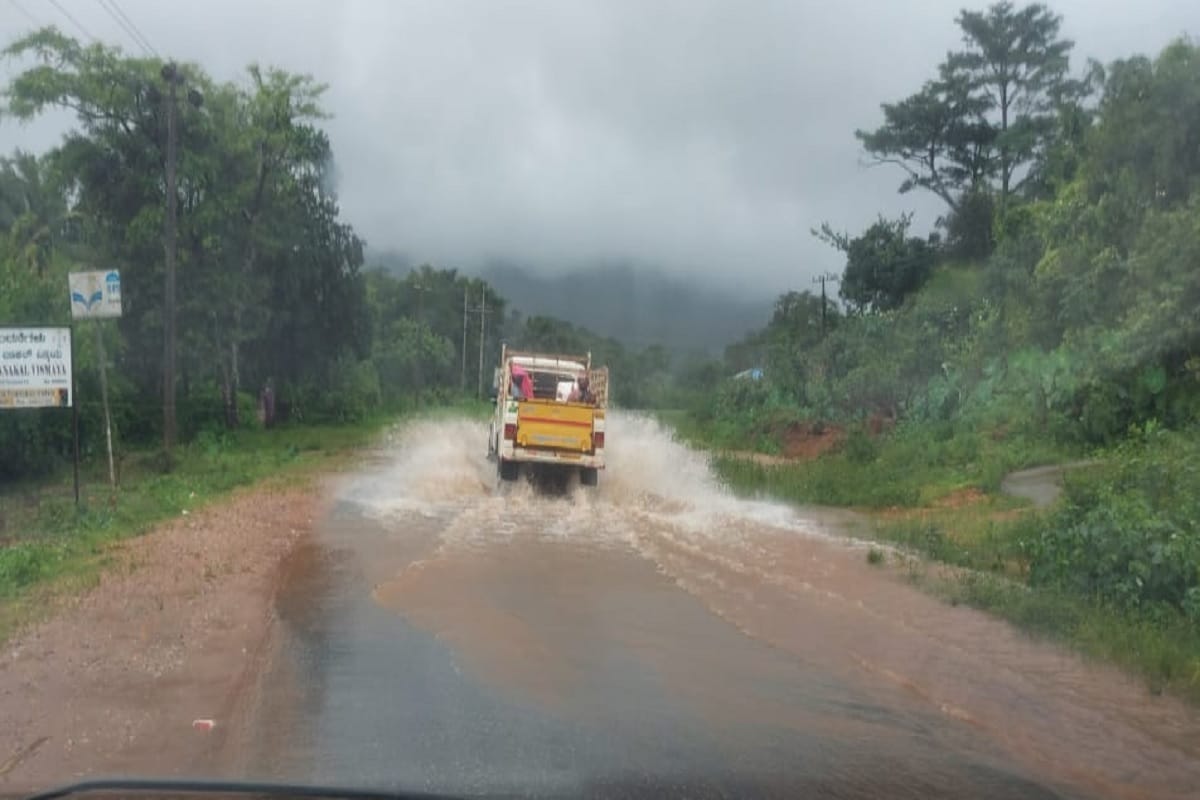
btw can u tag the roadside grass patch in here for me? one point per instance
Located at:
(916, 465)
(46, 543)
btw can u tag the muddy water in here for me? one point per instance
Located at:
(659, 635)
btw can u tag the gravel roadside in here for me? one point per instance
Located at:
(120, 680)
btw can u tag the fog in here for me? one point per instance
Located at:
(703, 139)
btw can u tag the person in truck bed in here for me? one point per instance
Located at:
(522, 383)
(582, 392)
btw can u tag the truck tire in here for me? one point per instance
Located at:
(509, 470)
(589, 476)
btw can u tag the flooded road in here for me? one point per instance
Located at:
(658, 636)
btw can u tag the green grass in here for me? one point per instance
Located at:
(913, 467)
(46, 542)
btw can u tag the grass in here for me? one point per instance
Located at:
(913, 467)
(49, 547)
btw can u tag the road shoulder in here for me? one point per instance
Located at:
(173, 632)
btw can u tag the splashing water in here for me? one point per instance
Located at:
(772, 572)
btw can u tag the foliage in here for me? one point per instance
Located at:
(884, 265)
(987, 120)
(917, 464)
(1128, 534)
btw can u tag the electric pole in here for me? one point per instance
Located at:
(482, 319)
(171, 76)
(482, 311)
(821, 279)
(462, 381)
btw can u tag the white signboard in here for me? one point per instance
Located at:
(95, 295)
(35, 367)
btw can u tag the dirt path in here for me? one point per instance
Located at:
(176, 627)
(1040, 485)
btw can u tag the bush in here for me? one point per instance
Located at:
(350, 394)
(1130, 533)
(860, 448)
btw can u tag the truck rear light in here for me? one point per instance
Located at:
(598, 439)
(510, 432)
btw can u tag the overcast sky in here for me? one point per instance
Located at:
(702, 138)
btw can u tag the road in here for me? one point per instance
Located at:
(660, 637)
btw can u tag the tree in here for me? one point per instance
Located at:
(1016, 63)
(937, 136)
(990, 115)
(258, 225)
(1149, 128)
(33, 210)
(795, 329)
(884, 265)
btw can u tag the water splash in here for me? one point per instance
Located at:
(772, 573)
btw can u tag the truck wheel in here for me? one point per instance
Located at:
(589, 476)
(509, 470)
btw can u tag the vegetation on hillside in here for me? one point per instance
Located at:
(1052, 313)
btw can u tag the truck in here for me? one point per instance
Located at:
(543, 422)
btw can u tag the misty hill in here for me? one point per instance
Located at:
(636, 307)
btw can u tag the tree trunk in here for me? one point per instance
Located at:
(231, 407)
(228, 398)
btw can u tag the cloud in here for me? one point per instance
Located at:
(700, 137)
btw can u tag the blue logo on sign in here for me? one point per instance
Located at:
(87, 302)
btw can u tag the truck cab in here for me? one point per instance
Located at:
(544, 418)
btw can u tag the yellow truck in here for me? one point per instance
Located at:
(550, 415)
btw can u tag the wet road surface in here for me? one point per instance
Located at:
(657, 637)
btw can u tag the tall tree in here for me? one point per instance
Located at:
(938, 136)
(1016, 61)
(268, 274)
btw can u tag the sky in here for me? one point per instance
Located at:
(704, 139)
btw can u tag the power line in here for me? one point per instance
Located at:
(72, 19)
(24, 11)
(136, 29)
(122, 19)
(123, 26)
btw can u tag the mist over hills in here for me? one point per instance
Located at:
(637, 306)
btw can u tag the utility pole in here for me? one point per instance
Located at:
(482, 311)
(462, 381)
(821, 279)
(171, 76)
(482, 318)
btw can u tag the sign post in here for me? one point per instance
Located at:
(97, 295)
(74, 426)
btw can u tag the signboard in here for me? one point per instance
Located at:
(35, 367)
(95, 295)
